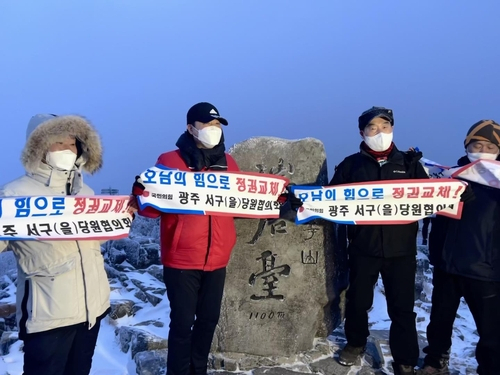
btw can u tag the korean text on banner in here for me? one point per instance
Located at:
(238, 194)
(64, 218)
(381, 202)
(433, 169)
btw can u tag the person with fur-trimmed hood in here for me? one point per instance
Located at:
(62, 287)
(465, 254)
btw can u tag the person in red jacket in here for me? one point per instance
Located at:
(195, 249)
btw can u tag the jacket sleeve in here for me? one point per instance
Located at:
(4, 193)
(342, 232)
(149, 212)
(437, 237)
(416, 168)
(420, 171)
(231, 164)
(339, 175)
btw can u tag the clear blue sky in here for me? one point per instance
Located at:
(285, 68)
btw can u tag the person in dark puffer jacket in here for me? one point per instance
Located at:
(386, 249)
(465, 254)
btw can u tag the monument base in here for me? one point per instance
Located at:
(244, 362)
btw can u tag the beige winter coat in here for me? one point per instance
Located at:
(59, 283)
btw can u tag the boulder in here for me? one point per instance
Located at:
(281, 279)
(138, 340)
(152, 362)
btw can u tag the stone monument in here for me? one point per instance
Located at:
(281, 280)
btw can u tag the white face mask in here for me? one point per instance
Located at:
(473, 156)
(209, 136)
(64, 160)
(379, 142)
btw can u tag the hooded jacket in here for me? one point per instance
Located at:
(196, 242)
(470, 246)
(385, 241)
(60, 283)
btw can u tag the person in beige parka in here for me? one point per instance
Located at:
(62, 287)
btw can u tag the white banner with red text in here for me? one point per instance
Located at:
(64, 218)
(381, 202)
(238, 194)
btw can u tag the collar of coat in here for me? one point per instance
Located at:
(395, 156)
(199, 159)
(57, 180)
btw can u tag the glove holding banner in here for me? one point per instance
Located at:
(289, 196)
(137, 190)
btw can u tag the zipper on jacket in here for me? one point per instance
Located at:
(24, 310)
(84, 284)
(209, 238)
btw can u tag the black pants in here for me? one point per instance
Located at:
(483, 299)
(398, 275)
(61, 351)
(195, 300)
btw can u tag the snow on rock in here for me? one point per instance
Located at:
(137, 340)
(151, 362)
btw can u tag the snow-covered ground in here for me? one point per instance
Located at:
(110, 360)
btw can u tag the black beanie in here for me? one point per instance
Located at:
(484, 130)
(373, 112)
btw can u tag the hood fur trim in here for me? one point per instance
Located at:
(45, 134)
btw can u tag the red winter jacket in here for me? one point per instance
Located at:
(195, 242)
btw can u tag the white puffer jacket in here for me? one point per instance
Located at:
(59, 283)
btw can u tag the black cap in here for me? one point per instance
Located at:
(204, 112)
(373, 112)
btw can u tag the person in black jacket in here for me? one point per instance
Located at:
(386, 249)
(465, 254)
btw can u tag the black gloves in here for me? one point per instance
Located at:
(138, 188)
(290, 197)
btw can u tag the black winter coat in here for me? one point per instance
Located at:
(384, 241)
(470, 246)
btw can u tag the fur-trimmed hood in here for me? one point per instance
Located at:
(43, 131)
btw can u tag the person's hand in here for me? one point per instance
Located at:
(138, 188)
(132, 206)
(288, 196)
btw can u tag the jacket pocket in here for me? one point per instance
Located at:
(54, 292)
(177, 235)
